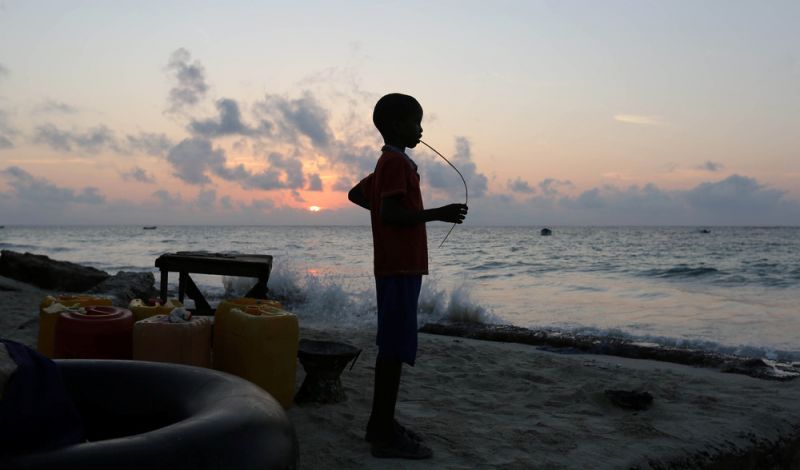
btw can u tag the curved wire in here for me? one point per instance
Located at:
(466, 191)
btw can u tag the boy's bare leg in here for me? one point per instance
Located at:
(388, 438)
(384, 398)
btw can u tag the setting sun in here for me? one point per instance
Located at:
(314, 208)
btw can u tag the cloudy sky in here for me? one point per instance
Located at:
(557, 112)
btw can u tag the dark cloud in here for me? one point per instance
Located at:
(292, 168)
(343, 183)
(283, 173)
(229, 122)
(206, 199)
(550, 187)
(257, 205)
(280, 119)
(232, 173)
(96, 139)
(734, 193)
(101, 138)
(167, 200)
(28, 188)
(301, 122)
(57, 107)
(138, 174)
(267, 180)
(91, 141)
(191, 81)
(441, 175)
(736, 200)
(150, 143)
(314, 182)
(304, 116)
(613, 205)
(192, 158)
(710, 166)
(355, 159)
(520, 186)
(90, 195)
(7, 132)
(50, 135)
(590, 199)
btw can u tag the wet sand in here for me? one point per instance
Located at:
(483, 404)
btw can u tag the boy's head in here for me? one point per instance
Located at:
(398, 118)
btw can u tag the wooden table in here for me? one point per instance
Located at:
(201, 262)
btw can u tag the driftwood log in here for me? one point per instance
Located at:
(557, 341)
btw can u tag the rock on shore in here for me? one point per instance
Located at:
(126, 286)
(46, 273)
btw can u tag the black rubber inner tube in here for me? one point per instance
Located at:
(152, 416)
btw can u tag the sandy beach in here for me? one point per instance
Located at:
(483, 404)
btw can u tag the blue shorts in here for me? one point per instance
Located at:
(398, 297)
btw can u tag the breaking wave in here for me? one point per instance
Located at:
(350, 300)
(682, 271)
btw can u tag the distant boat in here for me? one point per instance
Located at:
(546, 231)
(149, 227)
(705, 230)
(2, 226)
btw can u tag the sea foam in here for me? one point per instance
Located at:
(350, 301)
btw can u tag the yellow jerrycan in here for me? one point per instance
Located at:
(221, 315)
(156, 339)
(259, 343)
(142, 310)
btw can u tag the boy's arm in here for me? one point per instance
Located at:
(357, 196)
(393, 213)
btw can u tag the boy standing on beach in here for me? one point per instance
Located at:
(392, 195)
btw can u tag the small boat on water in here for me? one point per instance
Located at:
(149, 227)
(546, 231)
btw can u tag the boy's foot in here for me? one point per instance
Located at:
(401, 446)
(398, 429)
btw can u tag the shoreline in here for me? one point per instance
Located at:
(485, 404)
(570, 343)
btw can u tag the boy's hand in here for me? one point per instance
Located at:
(453, 213)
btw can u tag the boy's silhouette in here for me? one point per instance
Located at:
(392, 195)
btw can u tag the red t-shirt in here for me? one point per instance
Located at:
(399, 249)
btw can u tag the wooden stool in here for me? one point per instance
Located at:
(323, 362)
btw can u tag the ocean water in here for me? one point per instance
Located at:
(733, 289)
